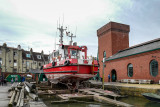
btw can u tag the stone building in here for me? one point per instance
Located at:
(17, 60)
(123, 62)
(33, 60)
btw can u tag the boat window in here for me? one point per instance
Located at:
(74, 52)
(154, 68)
(65, 51)
(130, 70)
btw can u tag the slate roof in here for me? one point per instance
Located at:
(137, 49)
(24, 52)
(34, 55)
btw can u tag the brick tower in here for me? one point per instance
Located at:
(112, 38)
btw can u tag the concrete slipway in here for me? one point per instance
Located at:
(4, 95)
(128, 89)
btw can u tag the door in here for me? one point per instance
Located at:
(113, 76)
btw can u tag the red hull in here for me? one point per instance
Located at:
(72, 72)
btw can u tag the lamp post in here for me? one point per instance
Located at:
(103, 72)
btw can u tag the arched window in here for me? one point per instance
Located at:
(104, 54)
(130, 70)
(154, 68)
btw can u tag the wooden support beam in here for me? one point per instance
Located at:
(22, 98)
(33, 96)
(111, 101)
(10, 94)
(16, 98)
(12, 99)
(19, 99)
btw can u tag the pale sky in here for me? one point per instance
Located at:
(33, 23)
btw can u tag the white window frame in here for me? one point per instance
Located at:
(39, 56)
(27, 63)
(15, 53)
(28, 55)
(39, 64)
(15, 62)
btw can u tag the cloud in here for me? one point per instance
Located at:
(34, 23)
(143, 19)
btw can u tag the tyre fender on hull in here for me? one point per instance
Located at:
(53, 64)
(67, 62)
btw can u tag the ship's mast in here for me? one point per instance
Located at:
(71, 36)
(61, 30)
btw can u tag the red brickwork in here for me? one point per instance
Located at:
(141, 66)
(113, 37)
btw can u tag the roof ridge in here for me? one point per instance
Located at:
(141, 44)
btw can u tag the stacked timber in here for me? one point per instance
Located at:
(16, 95)
(31, 90)
(21, 94)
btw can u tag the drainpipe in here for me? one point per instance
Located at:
(5, 59)
(103, 72)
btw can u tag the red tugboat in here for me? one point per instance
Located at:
(69, 64)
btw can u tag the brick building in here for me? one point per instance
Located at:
(17, 60)
(123, 62)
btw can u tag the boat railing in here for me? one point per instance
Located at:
(85, 61)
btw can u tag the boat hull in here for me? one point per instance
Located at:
(70, 73)
(152, 97)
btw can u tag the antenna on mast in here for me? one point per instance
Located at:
(76, 31)
(55, 40)
(63, 20)
(59, 21)
(69, 34)
(61, 30)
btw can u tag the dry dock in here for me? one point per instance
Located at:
(86, 94)
(98, 95)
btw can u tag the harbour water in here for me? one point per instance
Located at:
(47, 100)
(136, 101)
(80, 105)
(140, 102)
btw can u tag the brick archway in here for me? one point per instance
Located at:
(113, 75)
